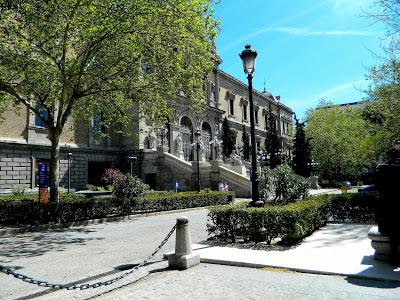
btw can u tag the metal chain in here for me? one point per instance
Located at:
(43, 283)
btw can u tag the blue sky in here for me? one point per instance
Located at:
(307, 49)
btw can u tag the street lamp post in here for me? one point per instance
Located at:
(248, 57)
(69, 171)
(198, 134)
(131, 159)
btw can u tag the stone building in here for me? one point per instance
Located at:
(162, 157)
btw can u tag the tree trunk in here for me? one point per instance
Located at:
(54, 136)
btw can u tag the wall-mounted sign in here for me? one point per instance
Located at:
(43, 170)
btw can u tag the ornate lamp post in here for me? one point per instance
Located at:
(131, 159)
(198, 134)
(69, 172)
(248, 57)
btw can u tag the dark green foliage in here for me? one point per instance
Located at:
(35, 197)
(281, 186)
(301, 151)
(246, 144)
(25, 211)
(272, 142)
(228, 138)
(129, 186)
(358, 207)
(290, 222)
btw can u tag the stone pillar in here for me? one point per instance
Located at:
(183, 258)
(381, 244)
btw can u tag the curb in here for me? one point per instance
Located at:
(19, 230)
(299, 270)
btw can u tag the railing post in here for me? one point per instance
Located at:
(183, 258)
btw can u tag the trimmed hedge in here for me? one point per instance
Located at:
(290, 222)
(354, 207)
(70, 209)
(35, 197)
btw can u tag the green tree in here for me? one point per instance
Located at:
(337, 136)
(246, 144)
(102, 57)
(228, 138)
(383, 109)
(272, 142)
(301, 151)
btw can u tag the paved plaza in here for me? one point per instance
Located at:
(99, 252)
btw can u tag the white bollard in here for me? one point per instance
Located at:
(183, 258)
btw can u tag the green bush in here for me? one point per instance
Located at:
(35, 197)
(354, 207)
(282, 186)
(23, 211)
(290, 222)
(129, 186)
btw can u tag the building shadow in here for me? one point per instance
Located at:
(39, 243)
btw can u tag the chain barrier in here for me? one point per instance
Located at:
(85, 286)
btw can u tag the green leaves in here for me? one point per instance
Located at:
(337, 135)
(89, 55)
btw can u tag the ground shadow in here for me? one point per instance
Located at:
(381, 284)
(214, 242)
(38, 243)
(389, 276)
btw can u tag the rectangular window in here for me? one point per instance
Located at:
(258, 145)
(245, 112)
(256, 115)
(231, 111)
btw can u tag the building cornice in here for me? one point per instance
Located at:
(255, 92)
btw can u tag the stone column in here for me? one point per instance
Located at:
(183, 258)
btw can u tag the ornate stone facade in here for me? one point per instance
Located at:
(163, 156)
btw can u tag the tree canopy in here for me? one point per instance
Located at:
(84, 57)
(337, 137)
(228, 138)
(301, 151)
(272, 142)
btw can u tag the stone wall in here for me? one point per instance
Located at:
(18, 164)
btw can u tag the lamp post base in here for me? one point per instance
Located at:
(258, 203)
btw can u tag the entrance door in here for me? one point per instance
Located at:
(187, 138)
(207, 138)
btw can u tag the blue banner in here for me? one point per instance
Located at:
(43, 169)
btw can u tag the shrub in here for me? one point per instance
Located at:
(19, 190)
(293, 221)
(22, 211)
(130, 186)
(354, 207)
(282, 186)
(161, 202)
(91, 187)
(110, 176)
(290, 222)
